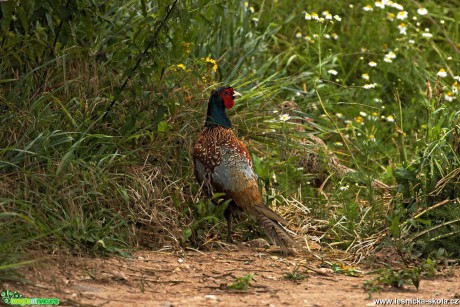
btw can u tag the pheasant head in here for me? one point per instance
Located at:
(221, 99)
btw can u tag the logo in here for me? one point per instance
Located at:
(14, 298)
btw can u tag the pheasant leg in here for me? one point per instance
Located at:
(228, 217)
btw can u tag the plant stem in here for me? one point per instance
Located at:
(401, 133)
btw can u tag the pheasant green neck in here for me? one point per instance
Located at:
(216, 113)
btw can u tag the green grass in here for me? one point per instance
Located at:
(241, 283)
(100, 103)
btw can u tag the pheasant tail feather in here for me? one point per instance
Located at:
(277, 233)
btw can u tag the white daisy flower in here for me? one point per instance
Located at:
(449, 97)
(442, 73)
(401, 15)
(379, 4)
(390, 119)
(372, 64)
(368, 8)
(402, 28)
(284, 117)
(422, 11)
(397, 6)
(369, 86)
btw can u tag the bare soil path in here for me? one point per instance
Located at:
(193, 278)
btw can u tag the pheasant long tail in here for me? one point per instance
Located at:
(277, 233)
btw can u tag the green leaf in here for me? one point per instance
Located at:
(187, 233)
(162, 126)
(395, 228)
(403, 173)
(261, 169)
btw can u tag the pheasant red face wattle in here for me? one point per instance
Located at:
(228, 95)
(228, 101)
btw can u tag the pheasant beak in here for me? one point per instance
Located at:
(236, 94)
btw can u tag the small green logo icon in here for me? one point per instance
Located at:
(14, 298)
(8, 295)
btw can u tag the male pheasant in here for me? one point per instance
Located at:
(222, 164)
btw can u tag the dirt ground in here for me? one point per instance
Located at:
(195, 278)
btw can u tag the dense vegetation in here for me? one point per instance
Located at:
(100, 102)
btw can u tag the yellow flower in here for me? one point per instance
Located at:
(359, 120)
(181, 66)
(187, 46)
(213, 62)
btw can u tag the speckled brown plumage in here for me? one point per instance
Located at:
(208, 147)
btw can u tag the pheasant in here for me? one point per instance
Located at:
(222, 164)
(318, 160)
